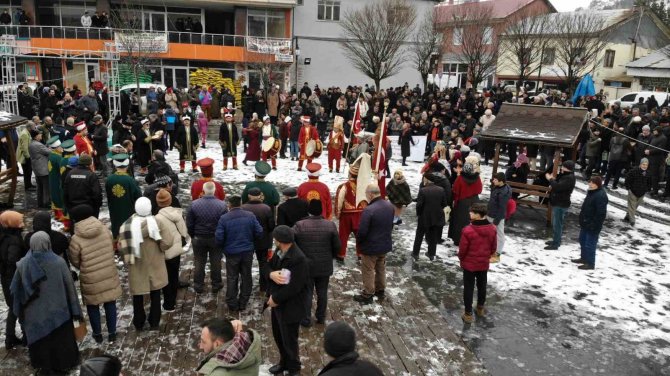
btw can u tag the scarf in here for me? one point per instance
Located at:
(136, 237)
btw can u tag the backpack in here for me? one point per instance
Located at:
(511, 208)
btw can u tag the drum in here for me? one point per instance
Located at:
(314, 149)
(271, 146)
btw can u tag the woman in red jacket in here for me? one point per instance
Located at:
(478, 243)
(465, 191)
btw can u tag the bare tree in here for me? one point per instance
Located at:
(427, 46)
(476, 41)
(578, 38)
(374, 35)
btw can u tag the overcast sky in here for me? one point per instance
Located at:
(568, 5)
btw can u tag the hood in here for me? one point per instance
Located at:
(42, 221)
(173, 214)
(89, 228)
(470, 178)
(251, 359)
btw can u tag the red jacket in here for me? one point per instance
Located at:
(466, 187)
(478, 243)
(197, 189)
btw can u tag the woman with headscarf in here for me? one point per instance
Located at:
(45, 300)
(466, 190)
(398, 194)
(92, 252)
(518, 172)
(59, 242)
(12, 250)
(142, 240)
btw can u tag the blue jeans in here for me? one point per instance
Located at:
(588, 241)
(295, 149)
(557, 217)
(110, 317)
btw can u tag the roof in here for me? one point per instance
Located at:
(502, 8)
(9, 120)
(604, 18)
(659, 59)
(537, 125)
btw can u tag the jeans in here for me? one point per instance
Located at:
(500, 232)
(295, 149)
(321, 285)
(469, 279)
(170, 291)
(262, 258)
(588, 241)
(110, 317)
(373, 269)
(432, 235)
(203, 246)
(557, 218)
(286, 337)
(238, 272)
(140, 316)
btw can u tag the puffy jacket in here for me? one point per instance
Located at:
(236, 231)
(247, 366)
(266, 218)
(375, 228)
(203, 216)
(174, 218)
(12, 250)
(92, 252)
(561, 189)
(594, 210)
(478, 243)
(320, 242)
(638, 181)
(350, 364)
(619, 148)
(497, 208)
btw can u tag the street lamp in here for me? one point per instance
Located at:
(297, 55)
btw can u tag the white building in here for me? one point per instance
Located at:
(322, 59)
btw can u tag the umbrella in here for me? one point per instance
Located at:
(585, 87)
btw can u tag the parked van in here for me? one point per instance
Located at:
(144, 87)
(630, 99)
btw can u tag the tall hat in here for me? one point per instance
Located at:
(305, 119)
(53, 142)
(69, 146)
(80, 126)
(313, 170)
(262, 168)
(206, 166)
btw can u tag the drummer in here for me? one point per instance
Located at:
(268, 149)
(336, 142)
(308, 134)
(313, 189)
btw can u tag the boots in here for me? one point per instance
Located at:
(467, 318)
(480, 311)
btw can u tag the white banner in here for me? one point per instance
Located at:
(417, 151)
(269, 46)
(145, 42)
(284, 58)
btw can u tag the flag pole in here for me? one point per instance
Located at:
(380, 143)
(351, 131)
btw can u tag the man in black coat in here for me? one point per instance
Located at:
(591, 219)
(161, 182)
(292, 210)
(637, 184)
(430, 206)
(339, 342)
(99, 137)
(287, 290)
(320, 242)
(82, 186)
(559, 196)
(266, 218)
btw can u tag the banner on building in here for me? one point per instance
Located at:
(269, 46)
(145, 42)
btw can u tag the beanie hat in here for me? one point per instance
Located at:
(469, 168)
(314, 207)
(163, 198)
(85, 160)
(143, 207)
(339, 339)
(163, 181)
(569, 165)
(11, 219)
(283, 234)
(80, 212)
(105, 365)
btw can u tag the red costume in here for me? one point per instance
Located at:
(348, 212)
(83, 145)
(307, 133)
(313, 189)
(335, 146)
(207, 169)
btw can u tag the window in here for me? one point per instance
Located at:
(300, 2)
(608, 61)
(458, 36)
(488, 35)
(266, 24)
(548, 56)
(328, 10)
(628, 97)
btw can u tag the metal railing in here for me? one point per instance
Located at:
(73, 32)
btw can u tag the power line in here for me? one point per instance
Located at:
(627, 136)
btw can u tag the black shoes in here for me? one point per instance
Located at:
(277, 369)
(578, 261)
(13, 341)
(551, 247)
(97, 338)
(380, 294)
(585, 266)
(363, 299)
(306, 323)
(111, 337)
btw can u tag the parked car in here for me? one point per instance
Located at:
(144, 87)
(627, 100)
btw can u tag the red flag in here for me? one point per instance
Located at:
(357, 120)
(380, 160)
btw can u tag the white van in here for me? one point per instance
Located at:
(144, 87)
(630, 99)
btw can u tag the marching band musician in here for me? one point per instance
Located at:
(207, 171)
(350, 201)
(229, 139)
(307, 133)
(380, 171)
(313, 189)
(268, 130)
(187, 143)
(335, 144)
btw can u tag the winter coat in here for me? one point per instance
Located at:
(466, 186)
(430, 206)
(619, 148)
(659, 141)
(291, 211)
(320, 242)
(174, 218)
(561, 189)
(236, 231)
(404, 140)
(203, 215)
(59, 242)
(146, 273)
(350, 364)
(594, 210)
(638, 181)
(92, 252)
(266, 218)
(478, 243)
(99, 138)
(39, 158)
(375, 228)
(247, 366)
(82, 186)
(497, 207)
(593, 146)
(398, 193)
(12, 249)
(22, 151)
(290, 298)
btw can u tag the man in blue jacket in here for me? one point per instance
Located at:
(235, 234)
(591, 218)
(500, 194)
(374, 239)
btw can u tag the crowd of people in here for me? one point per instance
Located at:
(295, 240)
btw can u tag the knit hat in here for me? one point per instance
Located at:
(104, 365)
(163, 198)
(469, 168)
(283, 234)
(339, 339)
(73, 161)
(80, 212)
(254, 192)
(143, 207)
(569, 165)
(642, 161)
(597, 180)
(262, 168)
(290, 192)
(163, 181)
(11, 219)
(315, 207)
(85, 160)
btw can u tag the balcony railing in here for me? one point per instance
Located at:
(68, 32)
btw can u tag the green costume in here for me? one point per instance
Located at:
(55, 187)
(122, 192)
(270, 194)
